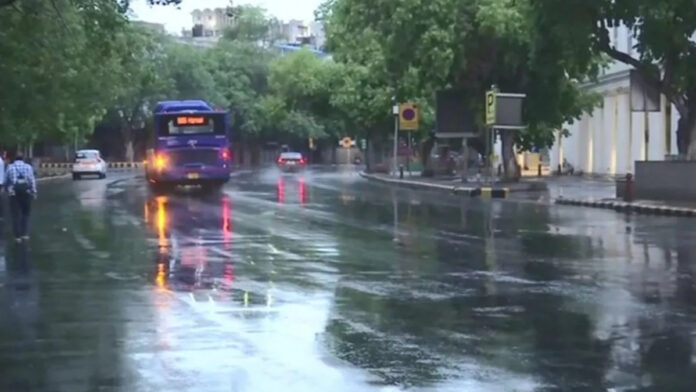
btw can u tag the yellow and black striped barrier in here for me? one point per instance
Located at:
(56, 166)
(111, 165)
(125, 165)
(487, 192)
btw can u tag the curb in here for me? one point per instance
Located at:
(52, 177)
(622, 206)
(483, 192)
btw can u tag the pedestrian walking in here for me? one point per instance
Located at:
(21, 188)
(2, 187)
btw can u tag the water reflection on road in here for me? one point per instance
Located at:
(321, 281)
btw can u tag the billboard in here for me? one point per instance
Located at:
(452, 117)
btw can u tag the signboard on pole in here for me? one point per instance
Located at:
(504, 110)
(453, 118)
(490, 107)
(347, 142)
(408, 117)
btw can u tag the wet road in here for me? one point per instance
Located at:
(323, 282)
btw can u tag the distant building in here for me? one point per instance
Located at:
(294, 31)
(316, 30)
(210, 22)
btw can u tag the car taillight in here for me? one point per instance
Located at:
(302, 161)
(160, 161)
(280, 160)
(225, 154)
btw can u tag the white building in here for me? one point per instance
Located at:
(210, 22)
(294, 31)
(316, 30)
(611, 138)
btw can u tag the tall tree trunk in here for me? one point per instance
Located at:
(509, 162)
(368, 151)
(686, 131)
(129, 151)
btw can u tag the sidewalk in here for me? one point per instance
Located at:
(601, 193)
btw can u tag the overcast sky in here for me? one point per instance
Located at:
(176, 18)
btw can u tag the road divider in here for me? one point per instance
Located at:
(483, 192)
(645, 208)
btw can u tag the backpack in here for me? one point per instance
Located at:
(21, 185)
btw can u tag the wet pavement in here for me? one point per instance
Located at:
(323, 281)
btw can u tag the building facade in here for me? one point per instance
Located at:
(610, 138)
(210, 22)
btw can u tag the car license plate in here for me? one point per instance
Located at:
(192, 176)
(291, 163)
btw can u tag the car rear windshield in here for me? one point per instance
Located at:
(291, 155)
(86, 155)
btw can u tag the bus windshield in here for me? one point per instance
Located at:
(190, 124)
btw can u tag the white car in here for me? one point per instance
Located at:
(88, 162)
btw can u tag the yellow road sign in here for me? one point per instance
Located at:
(490, 107)
(346, 142)
(408, 117)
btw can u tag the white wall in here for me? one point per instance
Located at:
(600, 142)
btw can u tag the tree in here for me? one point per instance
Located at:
(252, 24)
(144, 80)
(303, 83)
(664, 52)
(56, 69)
(416, 47)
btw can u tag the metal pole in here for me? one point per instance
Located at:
(408, 157)
(396, 141)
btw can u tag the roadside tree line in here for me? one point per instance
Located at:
(68, 65)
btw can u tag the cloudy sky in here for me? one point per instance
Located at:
(176, 18)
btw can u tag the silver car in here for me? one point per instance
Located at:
(88, 162)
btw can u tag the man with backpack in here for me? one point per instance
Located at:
(21, 187)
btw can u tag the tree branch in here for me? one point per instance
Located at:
(647, 71)
(5, 3)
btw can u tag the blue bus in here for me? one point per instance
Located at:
(190, 145)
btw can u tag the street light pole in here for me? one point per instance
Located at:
(395, 112)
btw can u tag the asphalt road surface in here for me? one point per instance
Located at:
(324, 282)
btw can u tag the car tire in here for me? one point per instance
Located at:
(75, 176)
(102, 175)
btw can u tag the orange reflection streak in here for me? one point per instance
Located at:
(281, 190)
(147, 212)
(161, 279)
(162, 223)
(303, 191)
(226, 223)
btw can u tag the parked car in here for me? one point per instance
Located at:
(88, 162)
(291, 161)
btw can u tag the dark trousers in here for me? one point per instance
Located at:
(20, 207)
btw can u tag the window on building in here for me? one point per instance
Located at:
(629, 43)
